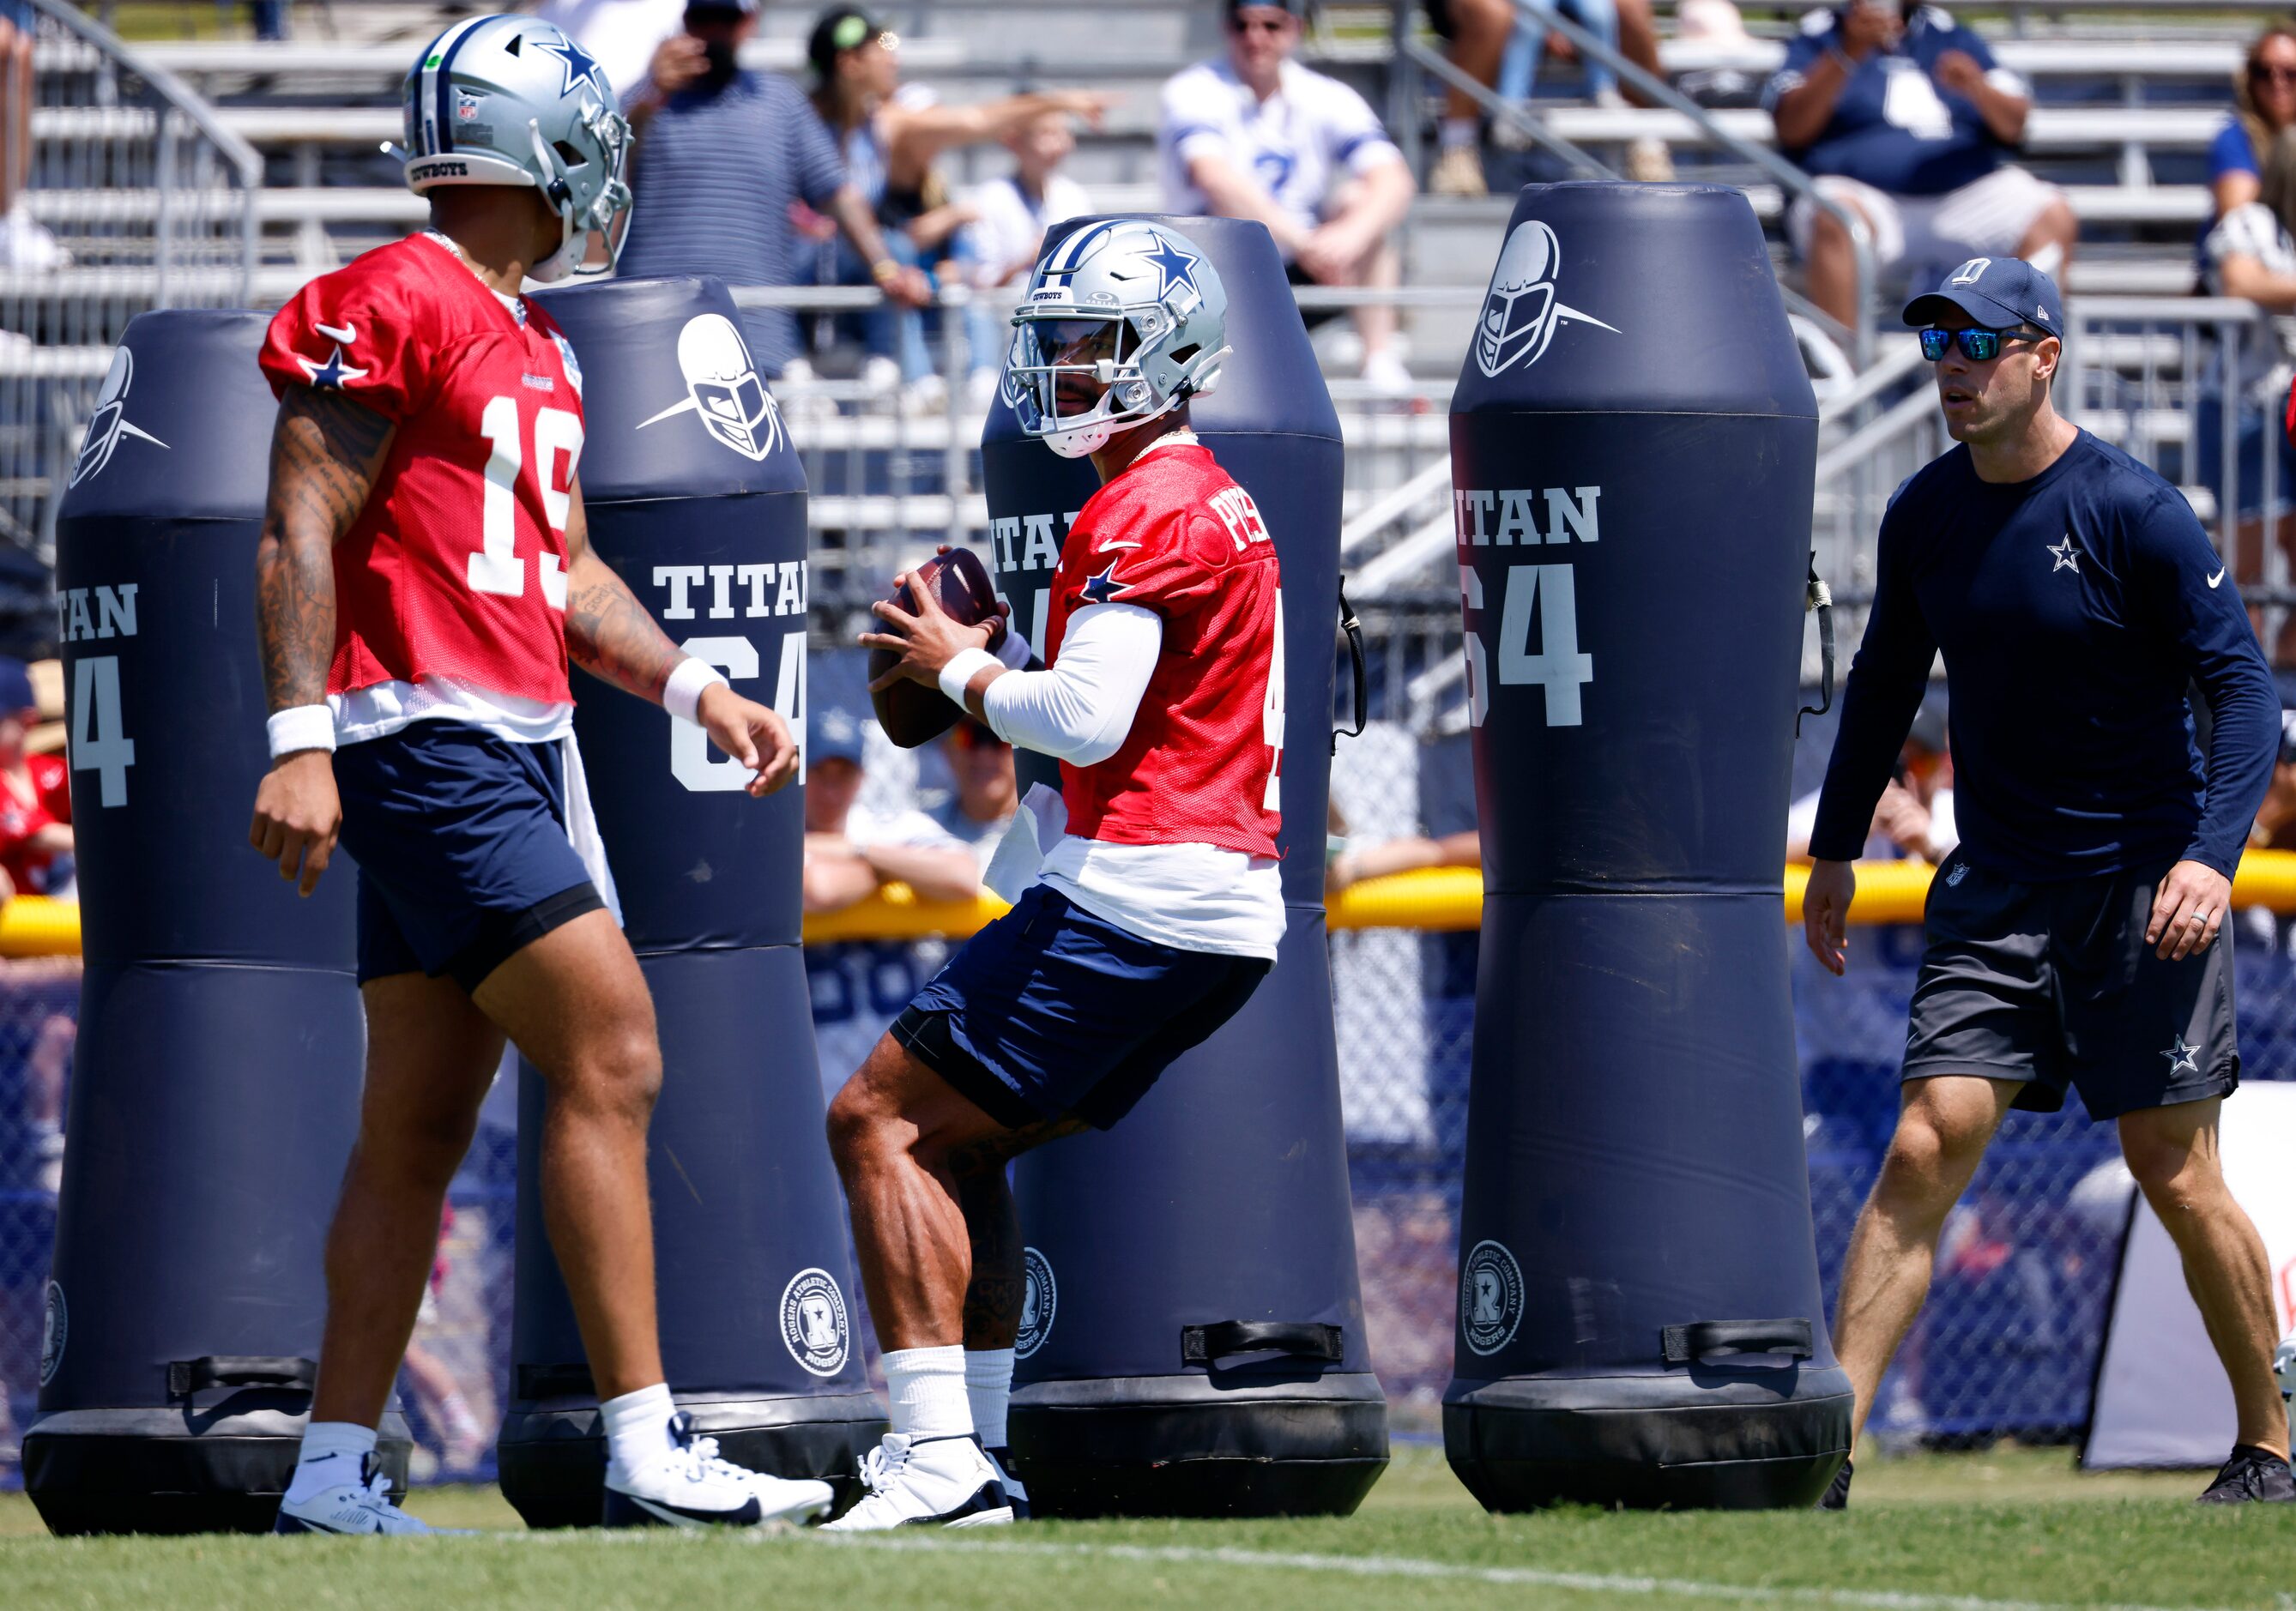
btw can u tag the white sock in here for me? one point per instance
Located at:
(1460, 131)
(637, 1427)
(988, 1388)
(927, 1392)
(332, 1453)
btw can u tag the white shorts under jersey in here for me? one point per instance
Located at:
(1298, 144)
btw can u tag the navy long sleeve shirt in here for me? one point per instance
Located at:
(2074, 610)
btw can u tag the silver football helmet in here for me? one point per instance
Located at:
(1127, 307)
(508, 99)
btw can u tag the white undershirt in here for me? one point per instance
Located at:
(1189, 896)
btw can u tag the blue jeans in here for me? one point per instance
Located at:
(887, 331)
(1518, 68)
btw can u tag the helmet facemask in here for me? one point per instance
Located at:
(606, 212)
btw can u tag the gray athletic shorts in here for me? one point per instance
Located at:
(2053, 985)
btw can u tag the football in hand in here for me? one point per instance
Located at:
(911, 713)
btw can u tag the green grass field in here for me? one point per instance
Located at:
(1943, 1532)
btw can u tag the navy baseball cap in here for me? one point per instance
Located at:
(834, 736)
(15, 688)
(1997, 293)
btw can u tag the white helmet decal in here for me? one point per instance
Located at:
(109, 422)
(1521, 312)
(723, 388)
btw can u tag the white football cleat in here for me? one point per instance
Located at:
(360, 1506)
(689, 1486)
(939, 1482)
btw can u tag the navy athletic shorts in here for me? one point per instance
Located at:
(460, 839)
(2053, 985)
(1051, 1011)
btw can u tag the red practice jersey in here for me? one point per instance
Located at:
(456, 567)
(1200, 765)
(21, 819)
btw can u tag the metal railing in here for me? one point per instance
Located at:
(135, 196)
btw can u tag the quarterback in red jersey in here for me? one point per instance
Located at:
(1156, 909)
(424, 576)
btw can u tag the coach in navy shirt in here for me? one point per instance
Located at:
(2072, 936)
(1908, 121)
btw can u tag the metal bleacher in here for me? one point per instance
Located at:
(2124, 107)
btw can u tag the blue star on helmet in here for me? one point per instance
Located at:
(1105, 587)
(1174, 266)
(580, 63)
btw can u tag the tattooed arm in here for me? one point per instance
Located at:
(611, 635)
(326, 452)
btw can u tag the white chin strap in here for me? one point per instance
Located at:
(1082, 441)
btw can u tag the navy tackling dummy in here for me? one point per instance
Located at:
(424, 574)
(1156, 910)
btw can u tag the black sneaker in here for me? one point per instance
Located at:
(1837, 1492)
(1014, 1493)
(2251, 1475)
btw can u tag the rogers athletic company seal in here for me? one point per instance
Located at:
(812, 1322)
(53, 1332)
(1040, 1300)
(1491, 1297)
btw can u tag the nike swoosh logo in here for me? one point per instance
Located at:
(347, 334)
(2217, 577)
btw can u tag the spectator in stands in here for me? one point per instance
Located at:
(1907, 122)
(1476, 32)
(1355, 863)
(1914, 819)
(850, 852)
(722, 154)
(35, 792)
(623, 35)
(2248, 253)
(1256, 136)
(2244, 151)
(23, 243)
(1009, 216)
(979, 808)
(891, 137)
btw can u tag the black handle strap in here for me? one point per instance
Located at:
(1681, 1344)
(186, 1376)
(1354, 629)
(1302, 1339)
(1820, 598)
(554, 1381)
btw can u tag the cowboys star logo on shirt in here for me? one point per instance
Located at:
(1101, 588)
(334, 374)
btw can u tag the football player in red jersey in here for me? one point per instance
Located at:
(424, 576)
(1157, 908)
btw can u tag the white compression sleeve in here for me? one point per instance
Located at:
(1081, 709)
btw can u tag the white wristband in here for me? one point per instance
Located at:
(957, 675)
(681, 696)
(301, 727)
(1014, 651)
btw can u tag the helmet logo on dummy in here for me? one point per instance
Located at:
(813, 1322)
(108, 423)
(1491, 1297)
(723, 388)
(1040, 1300)
(52, 1333)
(1521, 312)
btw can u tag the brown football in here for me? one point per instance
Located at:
(911, 713)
